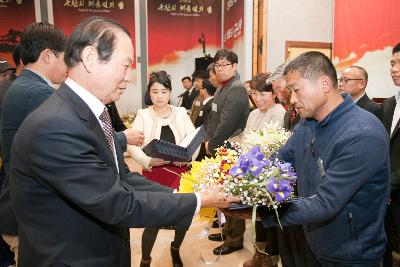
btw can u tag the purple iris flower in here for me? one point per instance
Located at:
(252, 162)
(285, 167)
(284, 185)
(255, 152)
(272, 186)
(281, 190)
(256, 167)
(281, 196)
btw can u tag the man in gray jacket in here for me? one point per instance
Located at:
(229, 112)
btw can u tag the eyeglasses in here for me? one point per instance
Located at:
(222, 66)
(345, 81)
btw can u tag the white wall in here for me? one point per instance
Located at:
(299, 20)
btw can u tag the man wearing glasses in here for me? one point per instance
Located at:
(229, 112)
(353, 81)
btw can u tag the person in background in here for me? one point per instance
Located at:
(229, 113)
(189, 95)
(7, 72)
(213, 76)
(390, 119)
(6, 255)
(267, 111)
(247, 85)
(165, 122)
(354, 81)
(283, 94)
(197, 105)
(42, 52)
(207, 93)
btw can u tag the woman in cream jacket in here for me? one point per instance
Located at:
(165, 122)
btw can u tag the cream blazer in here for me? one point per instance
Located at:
(147, 122)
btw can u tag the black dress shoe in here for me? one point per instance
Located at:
(176, 258)
(225, 250)
(215, 237)
(145, 263)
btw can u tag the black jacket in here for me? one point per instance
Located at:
(188, 98)
(72, 205)
(366, 103)
(388, 107)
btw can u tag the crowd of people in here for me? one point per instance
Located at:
(68, 198)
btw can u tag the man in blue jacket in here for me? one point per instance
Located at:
(340, 153)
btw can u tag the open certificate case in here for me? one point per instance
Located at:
(172, 152)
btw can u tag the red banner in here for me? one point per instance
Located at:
(68, 13)
(14, 16)
(176, 31)
(364, 33)
(233, 22)
(178, 25)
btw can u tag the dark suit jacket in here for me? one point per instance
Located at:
(73, 207)
(203, 115)
(388, 107)
(27, 92)
(188, 98)
(230, 116)
(366, 103)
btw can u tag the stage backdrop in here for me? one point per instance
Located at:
(68, 13)
(365, 32)
(175, 28)
(14, 16)
(234, 30)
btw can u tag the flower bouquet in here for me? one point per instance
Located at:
(208, 174)
(249, 170)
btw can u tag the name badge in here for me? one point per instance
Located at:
(320, 164)
(214, 107)
(201, 113)
(197, 103)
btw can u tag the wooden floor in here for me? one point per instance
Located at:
(192, 247)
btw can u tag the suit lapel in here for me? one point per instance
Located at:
(86, 115)
(396, 128)
(362, 102)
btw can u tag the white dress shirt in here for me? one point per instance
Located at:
(97, 107)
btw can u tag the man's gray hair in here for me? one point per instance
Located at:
(277, 74)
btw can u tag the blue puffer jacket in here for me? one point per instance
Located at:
(343, 172)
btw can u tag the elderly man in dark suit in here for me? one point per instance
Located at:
(72, 197)
(229, 112)
(354, 81)
(390, 119)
